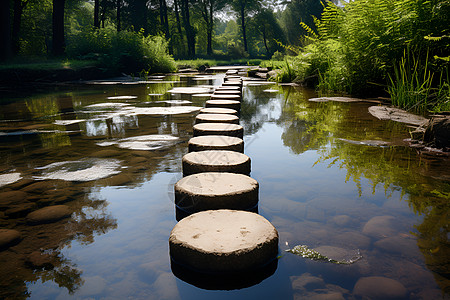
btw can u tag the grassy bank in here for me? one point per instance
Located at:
(368, 48)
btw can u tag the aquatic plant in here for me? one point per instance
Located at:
(304, 251)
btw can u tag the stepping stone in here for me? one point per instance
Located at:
(216, 161)
(232, 83)
(225, 97)
(226, 129)
(213, 190)
(48, 214)
(223, 241)
(232, 77)
(216, 118)
(218, 110)
(8, 238)
(216, 142)
(232, 104)
(227, 92)
(229, 88)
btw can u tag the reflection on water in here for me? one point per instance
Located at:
(331, 177)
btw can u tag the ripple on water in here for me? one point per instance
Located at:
(80, 170)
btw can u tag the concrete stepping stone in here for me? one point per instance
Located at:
(227, 92)
(226, 129)
(223, 241)
(216, 142)
(218, 110)
(214, 190)
(232, 83)
(216, 161)
(8, 238)
(232, 104)
(226, 97)
(216, 118)
(229, 88)
(48, 214)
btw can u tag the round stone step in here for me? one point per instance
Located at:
(218, 110)
(226, 97)
(232, 104)
(216, 161)
(216, 142)
(214, 190)
(216, 118)
(227, 92)
(229, 88)
(232, 77)
(232, 83)
(222, 241)
(226, 129)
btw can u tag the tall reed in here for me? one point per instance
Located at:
(411, 84)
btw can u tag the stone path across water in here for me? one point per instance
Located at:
(220, 236)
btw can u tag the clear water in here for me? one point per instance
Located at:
(322, 172)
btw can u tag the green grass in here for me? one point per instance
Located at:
(46, 64)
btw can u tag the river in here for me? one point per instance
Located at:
(331, 177)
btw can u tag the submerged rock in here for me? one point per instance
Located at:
(8, 238)
(306, 282)
(81, 170)
(381, 288)
(380, 227)
(397, 115)
(49, 214)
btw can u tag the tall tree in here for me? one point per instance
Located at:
(271, 32)
(5, 30)
(245, 8)
(96, 13)
(19, 6)
(208, 8)
(118, 8)
(58, 43)
(138, 14)
(165, 22)
(190, 34)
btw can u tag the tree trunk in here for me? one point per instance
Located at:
(96, 13)
(58, 43)
(165, 22)
(244, 33)
(138, 9)
(17, 22)
(118, 5)
(189, 30)
(5, 31)
(265, 38)
(177, 16)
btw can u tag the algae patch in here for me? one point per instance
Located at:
(304, 251)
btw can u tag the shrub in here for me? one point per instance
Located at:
(124, 51)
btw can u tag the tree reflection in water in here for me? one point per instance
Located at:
(423, 180)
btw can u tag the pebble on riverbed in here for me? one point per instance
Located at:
(379, 288)
(48, 214)
(8, 238)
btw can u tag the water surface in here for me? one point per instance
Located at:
(327, 172)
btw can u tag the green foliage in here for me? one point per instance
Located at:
(358, 48)
(125, 50)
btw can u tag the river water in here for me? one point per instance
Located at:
(332, 177)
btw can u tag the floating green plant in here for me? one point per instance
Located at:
(304, 251)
